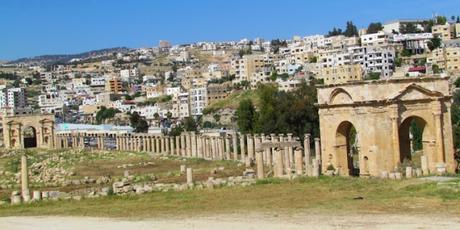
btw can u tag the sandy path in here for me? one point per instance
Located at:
(233, 222)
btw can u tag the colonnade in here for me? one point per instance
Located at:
(228, 146)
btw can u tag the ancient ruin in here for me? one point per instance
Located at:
(379, 114)
(29, 131)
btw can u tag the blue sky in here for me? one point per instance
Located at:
(37, 27)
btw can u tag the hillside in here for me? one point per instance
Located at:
(63, 58)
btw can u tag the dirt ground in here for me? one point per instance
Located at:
(240, 221)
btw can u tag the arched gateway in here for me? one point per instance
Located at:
(28, 131)
(382, 113)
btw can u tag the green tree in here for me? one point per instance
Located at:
(409, 28)
(372, 76)
(441, 20)
(139, 124)
(335, 32)
(374, 27)
(436, 69)
(455, 117)
(434, 43)
(351, 30)
(190, 124)
(274, 76)
(104, 114)
(216, 117)
(246, 116)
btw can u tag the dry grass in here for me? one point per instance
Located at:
(336, 195)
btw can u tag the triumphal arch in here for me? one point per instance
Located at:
(28, 131)
(370, 121)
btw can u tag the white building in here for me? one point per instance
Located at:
(50, 103)
(372, 59)
(12, 98)
(98, 81)
(416, 43)
(198, 100)
(181, 108)
(377, 39)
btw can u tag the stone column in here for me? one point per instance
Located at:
(306, 147)
(167, 145)
(193, 143)
(189, 176)
(222, 148)
(290, 151)
(189, 144)
(242, 148)
(260, 165)
(178, 148)
(273, 139)
(437, 112)
(199, 146)
(318, 149)
(298, 160)
(182, 145)
(235, 146)
(172, 148)
(250, 156)
(264, 154)
(394, 110)
(227, 147)
(279, 169)
(24, 179)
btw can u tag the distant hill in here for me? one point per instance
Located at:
(64, 58)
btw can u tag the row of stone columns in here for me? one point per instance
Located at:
(288, 160)
(189, 144)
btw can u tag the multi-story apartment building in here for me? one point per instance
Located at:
(180, 105)
(13, 98)
(415, 43)
(50, 103)
(377, 39)
(447, 58)
(341, 74)
(445, 32)
(198, 100)
(372, 59)
(218, 91)
(251, 66)
(114, 85)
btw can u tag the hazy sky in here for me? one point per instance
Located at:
(37, 27)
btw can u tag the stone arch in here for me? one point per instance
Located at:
(347, 153)
(406, 149)
(340, 96)
(29, 131)
(29, 135)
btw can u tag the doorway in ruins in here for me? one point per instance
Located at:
(412, 136)
(347, 148)
(30, 137)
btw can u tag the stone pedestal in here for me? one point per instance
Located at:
(408, 172)
(316, 169)
(182, 169)
(384, 175)
(15, 198)
(189, 176)
(298, 160)
(260, 165)
(424, 163)
(279, 169)
(37, 195)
